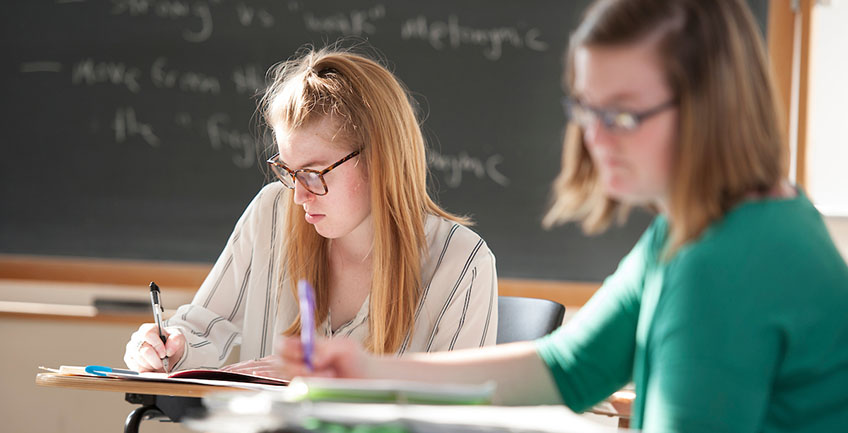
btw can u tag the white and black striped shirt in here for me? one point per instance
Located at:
(237, 303)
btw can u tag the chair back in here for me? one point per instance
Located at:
(522, 319)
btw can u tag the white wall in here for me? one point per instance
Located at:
(26, 407)
(838, 227)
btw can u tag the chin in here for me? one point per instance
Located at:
(617, 189)
(327, 235)
(625, 195)
(330, 232)
(323, 231)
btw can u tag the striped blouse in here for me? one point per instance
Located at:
(240, 303)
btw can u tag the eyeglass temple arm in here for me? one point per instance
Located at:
(338, 163)
(648, 113)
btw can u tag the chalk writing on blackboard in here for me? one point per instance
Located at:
(127, 125)
(451, 34)
(198, 12)
(356, 22)
(91, 72)
(165, 77)
(249, 16)
(221, 134)
(454, 166)
(43, 66)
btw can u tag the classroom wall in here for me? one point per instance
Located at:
(27, 407)
(51, 328)
(838, 226)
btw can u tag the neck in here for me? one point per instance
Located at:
(782, 189)
(662, 205)
(355, 247)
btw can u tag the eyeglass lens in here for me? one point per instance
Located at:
(312, 182)
(308, 179)
(612, 120)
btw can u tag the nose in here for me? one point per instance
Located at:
(302, 195)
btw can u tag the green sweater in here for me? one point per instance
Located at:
(743, 330)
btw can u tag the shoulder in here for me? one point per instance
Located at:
(264, 203)
(760, 248)
(450, 238)
(270, 195)
(264, 213)
(757, 234)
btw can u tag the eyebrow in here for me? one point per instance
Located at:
(615, 98)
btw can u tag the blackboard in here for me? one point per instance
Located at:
(129, 128)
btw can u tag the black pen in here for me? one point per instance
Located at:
(157, 315)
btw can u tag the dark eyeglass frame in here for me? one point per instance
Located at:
(612, 119)
(293, 174)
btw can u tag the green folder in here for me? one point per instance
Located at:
(389, 391)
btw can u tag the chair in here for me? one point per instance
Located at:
(522, 319)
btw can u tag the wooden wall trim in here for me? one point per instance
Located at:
(189, 276)
(781, 23)
(569, 293)
(97, 319)
(806, 11)
(186, 276)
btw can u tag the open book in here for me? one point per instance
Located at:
(198, 376)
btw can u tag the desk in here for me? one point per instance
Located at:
(621, 402)
(175, 400)
(172, 400)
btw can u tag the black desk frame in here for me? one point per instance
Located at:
(161, 406)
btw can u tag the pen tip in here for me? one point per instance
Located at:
(153, 286)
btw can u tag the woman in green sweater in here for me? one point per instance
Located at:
(729, 314)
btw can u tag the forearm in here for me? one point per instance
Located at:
(520, 375)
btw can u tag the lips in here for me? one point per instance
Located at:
(313, 218)
(612, 162)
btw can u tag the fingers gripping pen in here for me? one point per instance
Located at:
(307, 320)
(156, 302)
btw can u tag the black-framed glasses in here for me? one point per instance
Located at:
(312, 180)
(613, 120)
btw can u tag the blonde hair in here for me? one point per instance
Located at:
(375, 112)
(731, 141)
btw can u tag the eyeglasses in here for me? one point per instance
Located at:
(613, 120)
(312, 180)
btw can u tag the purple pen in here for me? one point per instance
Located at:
(307, 320)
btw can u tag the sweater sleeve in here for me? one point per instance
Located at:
(592, 355)
(212, 323)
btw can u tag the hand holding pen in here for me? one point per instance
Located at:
(152, 347)
(158, 310)
(306, 356)
(307, 320)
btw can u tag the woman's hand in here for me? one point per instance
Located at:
(338, 357)
(145, 350)
(268, 366)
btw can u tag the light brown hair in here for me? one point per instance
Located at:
(375, 114)
(731, 141)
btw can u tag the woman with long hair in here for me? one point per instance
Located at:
(729, 312)
(351, 215)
